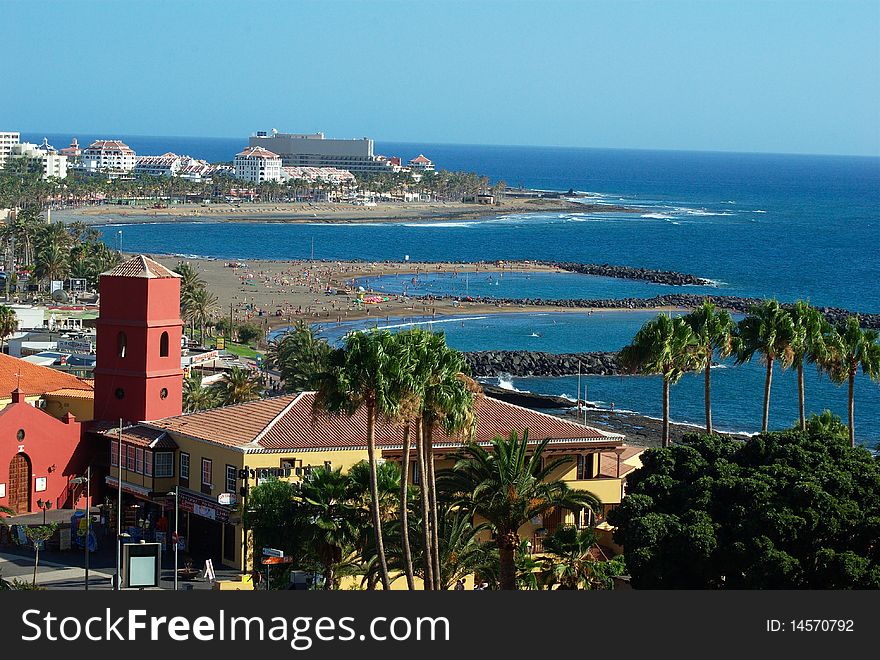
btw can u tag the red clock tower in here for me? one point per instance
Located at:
(138, 376)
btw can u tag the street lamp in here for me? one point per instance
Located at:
(45, 506)
(176, 538)
(87, 480)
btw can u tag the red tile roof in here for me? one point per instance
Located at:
(420, 159)
(141, 436)
(140, 266)
(33, 379)
(108, 145)
(257, 152)
(286, 423)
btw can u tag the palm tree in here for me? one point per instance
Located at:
(300, 357)
(196, 397)
(851, 347)
(240, 385)
(447, 403)
(663, 346)
(52, 262)
(769, 331)
(713, 331)
(333, 518)
(358, 377)
(508, 486)
(8, 323)
(572, 564)
(201, 305)
(807, 345)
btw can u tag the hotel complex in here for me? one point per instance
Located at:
(314, 150)
(257, 165)
(112, 157)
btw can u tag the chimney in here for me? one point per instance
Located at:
(17, 395)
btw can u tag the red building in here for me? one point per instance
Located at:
(138, 376)
(42, 454)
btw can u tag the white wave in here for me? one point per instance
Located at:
(718, 366)
(440, 224)
(412, 324)
(506, 383)
(657, 216)
(759, 211)
(702, 212)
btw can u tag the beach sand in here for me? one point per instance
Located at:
(277, 293)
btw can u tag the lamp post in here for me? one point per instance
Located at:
(87, 481)
(44, 506)
(176, 538)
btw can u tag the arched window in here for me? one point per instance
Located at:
(121, 342)
(163, 345)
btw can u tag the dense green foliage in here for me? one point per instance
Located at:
(789, 509)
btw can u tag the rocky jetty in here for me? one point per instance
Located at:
(528, 399)
(486, 364)
(628, 273)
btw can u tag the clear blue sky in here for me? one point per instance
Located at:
(799, 77)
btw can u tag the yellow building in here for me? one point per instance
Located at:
(214, 455)
(54, 391)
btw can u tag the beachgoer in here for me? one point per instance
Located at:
(459, 586)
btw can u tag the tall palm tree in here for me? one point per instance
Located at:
(447, 404)
(768, 331)
(240, 385)
(851, 347)
(508, 486)
(663, 346)
(8, 323)
(807, 345)
(52, 262)
(358, 377)
(299, 356)
(201, 306)
(713, 331)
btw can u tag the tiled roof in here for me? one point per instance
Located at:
(71, 393)
(104, 145)
(257, 152)
(420, 159)
(608, 462)
(287, 423)
(34, 379)
(140, 266)
(142, 436)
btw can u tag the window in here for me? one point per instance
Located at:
(148, 463)
(415, 473)
(230, 478)
(207, 475)
(163, 345)
(139, 460)
(130, 460)
(164, 464)
(163, 393)
(184, 469)
(585, 469)
(121, 343)
(114, 453)
(120, 393)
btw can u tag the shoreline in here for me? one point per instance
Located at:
(327, 212)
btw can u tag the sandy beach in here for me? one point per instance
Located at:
(276, 293)
(325, 212)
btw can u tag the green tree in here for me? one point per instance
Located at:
(249, 332)
(663, 346)
(332, 529)
(849, 348)
(38, 535)
(357, 377)
(507, 487)
(300, 357)
(786, 510)
(275, 516)
(769, 332)
(196, 397)
(8, 323)
(808, 345)
(240, 385)
(713, 333)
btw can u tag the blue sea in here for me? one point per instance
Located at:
(766, 225)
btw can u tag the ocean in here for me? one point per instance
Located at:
(767, 225)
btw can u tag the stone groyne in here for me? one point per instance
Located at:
(488, 364)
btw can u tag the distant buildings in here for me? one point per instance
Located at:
(323, 174)
(421, 164)
(7, 140)
(170, 164)
(314, 150)
(112, 157)
(258, 165)
(73, 153)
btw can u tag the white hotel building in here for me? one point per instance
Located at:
(108, 156)
(314, 150)
(7, 140)
(257, 165)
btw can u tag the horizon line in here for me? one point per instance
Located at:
(496, 144)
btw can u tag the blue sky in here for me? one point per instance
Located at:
(798, 77)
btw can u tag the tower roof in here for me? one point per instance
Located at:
(141, 266)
